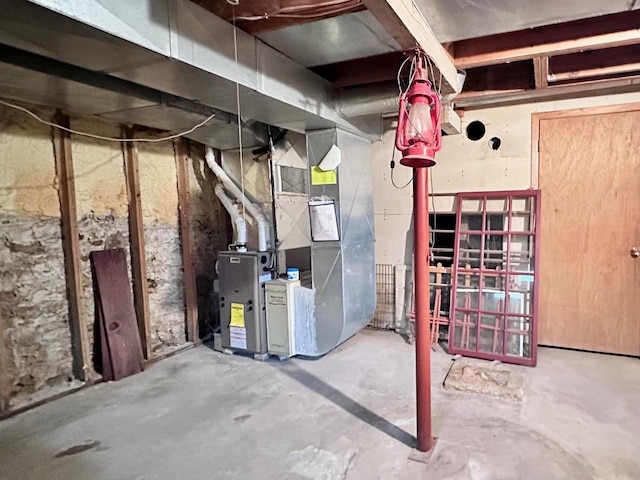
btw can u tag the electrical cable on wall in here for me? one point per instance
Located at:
(108, 139)
(393, 165)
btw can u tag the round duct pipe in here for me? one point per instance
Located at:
(379, 99)
(371, 100)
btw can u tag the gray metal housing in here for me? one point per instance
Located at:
(344, 271)
(240, 283)
(178, 48)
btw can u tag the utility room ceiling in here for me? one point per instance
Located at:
(504, 46)
(451, 20)
(259, 15)
(454, 20)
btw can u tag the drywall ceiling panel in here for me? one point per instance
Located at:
(460, 19)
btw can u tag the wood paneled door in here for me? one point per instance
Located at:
(589, 176)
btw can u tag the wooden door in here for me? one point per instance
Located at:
(589, 166)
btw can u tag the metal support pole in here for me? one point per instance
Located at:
(422, 299)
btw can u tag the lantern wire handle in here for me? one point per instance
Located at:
(429, 66)
(400, 91)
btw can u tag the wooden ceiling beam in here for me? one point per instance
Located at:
(597, 63)
(405, 23)
(363, 71)
(595, 72)
(588, 34)
(541, 71)
(506, 76)
(475, 100)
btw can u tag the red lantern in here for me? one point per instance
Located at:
(418, 136)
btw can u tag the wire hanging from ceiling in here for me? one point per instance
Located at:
(235, 53)
(290, 11)
(108, 139)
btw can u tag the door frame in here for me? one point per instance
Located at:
(537, 117)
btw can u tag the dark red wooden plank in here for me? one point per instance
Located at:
(114, 306)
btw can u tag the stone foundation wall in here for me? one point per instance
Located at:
(33, 302)
(165, 277)
(98, 232)
(210, 226)
(165, 280)
(34, 307)
(101, 202)
(36, 356)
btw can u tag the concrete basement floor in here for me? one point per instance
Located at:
(350, 415)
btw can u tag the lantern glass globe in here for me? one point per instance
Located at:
(419, 126)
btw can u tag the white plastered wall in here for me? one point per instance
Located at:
(463, 166)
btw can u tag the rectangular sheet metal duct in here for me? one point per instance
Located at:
(177, 47)
(344, 271)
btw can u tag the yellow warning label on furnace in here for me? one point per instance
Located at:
(237, 315)
(320, 177)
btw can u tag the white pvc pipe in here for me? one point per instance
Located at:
(254, 211)
(239, 225)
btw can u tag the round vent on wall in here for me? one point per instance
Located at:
(476, 130)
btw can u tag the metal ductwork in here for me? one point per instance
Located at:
(343, 271)
(378, 99)
(176, 47)
(370, 100)
(32, 78)
(383, 100)
(340, 264)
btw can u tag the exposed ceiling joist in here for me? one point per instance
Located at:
(596, 63)
(590, 34)
(363, 71)
(595, 72)
(506, 76)
(475, 100)
(404, 21)
(541, 71)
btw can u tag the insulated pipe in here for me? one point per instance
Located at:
(254, 211)
(239, 224)
(422, 310)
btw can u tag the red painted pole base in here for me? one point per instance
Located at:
(423, 457)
